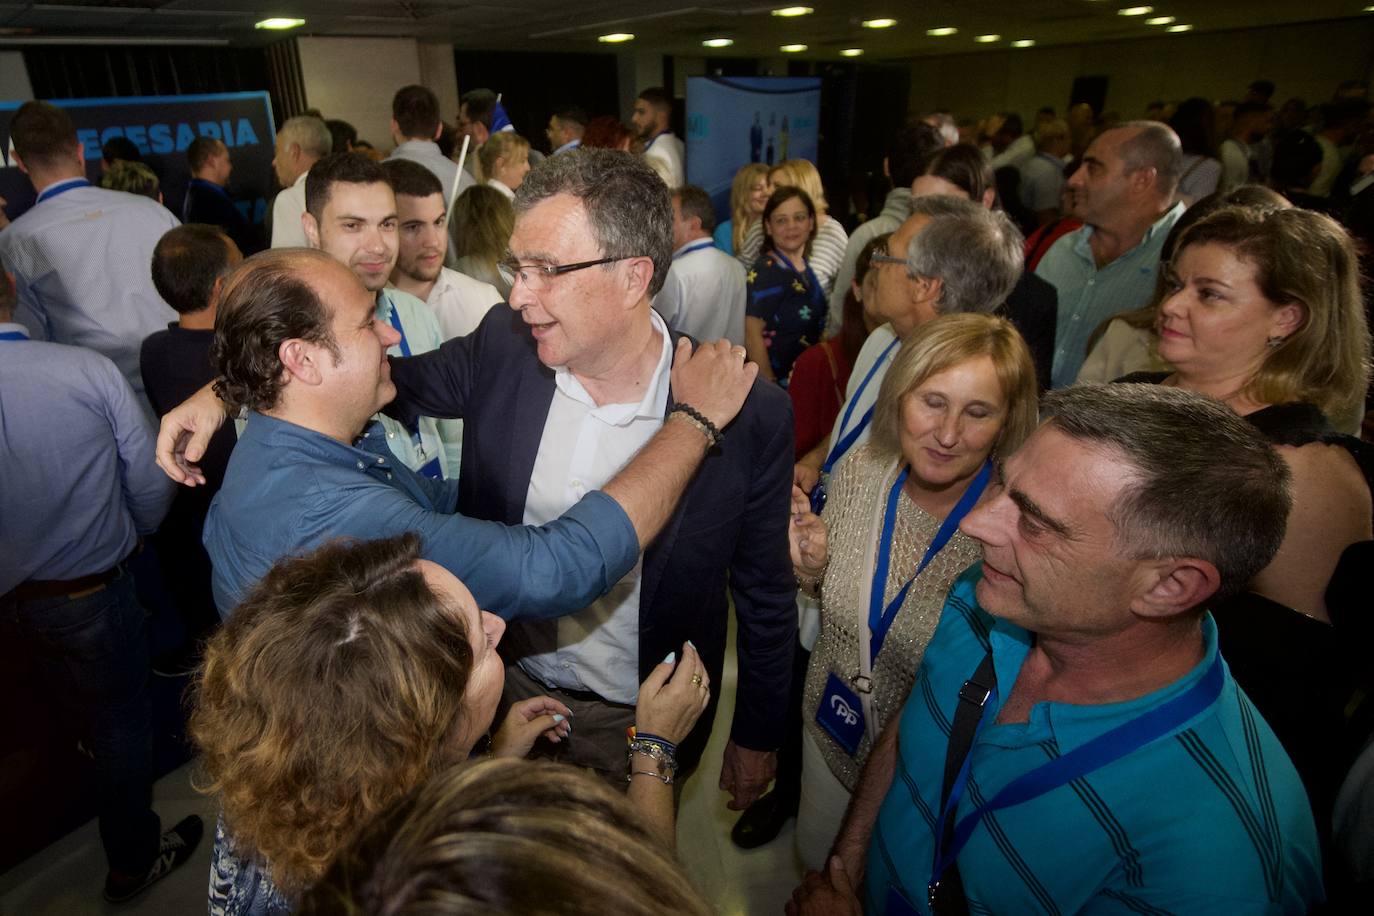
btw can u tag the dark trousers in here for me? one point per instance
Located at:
(91, 653)
(788, 780)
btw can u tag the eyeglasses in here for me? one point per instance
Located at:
(877, 258)
(537, 276)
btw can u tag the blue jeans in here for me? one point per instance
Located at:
(92, 655)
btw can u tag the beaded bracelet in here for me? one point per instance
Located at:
(698, 419)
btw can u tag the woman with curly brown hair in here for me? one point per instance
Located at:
(345, 680)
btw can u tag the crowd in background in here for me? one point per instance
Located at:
(1036, 479)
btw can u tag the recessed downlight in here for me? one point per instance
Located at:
(1135, 10)
(1023, 43)
(717, 42)
(942, 32)
(277, 23)
(1179, 28)
(1160, 20)
(986, 39)
(852, 52)
(792, 49)
(878, 23)
(790, 11)
(616, 38)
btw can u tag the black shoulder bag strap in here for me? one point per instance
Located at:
(949, 900)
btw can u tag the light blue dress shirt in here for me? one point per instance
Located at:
(435, 440)
(79, 482)
(289, 489)
(1089, 295)
(81, 259)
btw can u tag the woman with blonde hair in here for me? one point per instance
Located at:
(505, 159)
(347, 678)
(1263, 312)
(748, 193)
(508, 837)
(827, 248)
(960, 392)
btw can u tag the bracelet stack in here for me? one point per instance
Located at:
(660, 750)
(698, 419)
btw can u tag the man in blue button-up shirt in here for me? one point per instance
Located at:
(301, 347)
(1124, 192)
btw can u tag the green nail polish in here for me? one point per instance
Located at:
(670, 658)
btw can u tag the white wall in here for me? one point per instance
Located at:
(355, 78)
(14, 78)
(637, 70)
(1306, 61)
(438, 74)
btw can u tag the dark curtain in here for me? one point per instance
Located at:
(84, 71)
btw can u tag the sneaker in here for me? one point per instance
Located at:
(175, 847)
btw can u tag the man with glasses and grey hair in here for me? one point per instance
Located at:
(555, 396)
(951, 255)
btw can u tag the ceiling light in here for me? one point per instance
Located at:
(1023, 43)
(792, 49)
(1135, 11)
(615, 37)
(1160, 20)
(878, 23)
(279, 23)
(1179, 28)
(942, 31)
(794, 11)
(851, 52)
(986, 39)
(718, 42)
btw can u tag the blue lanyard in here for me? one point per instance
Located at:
(1104, 749)
(700, 246)
(61, 188)
(848, 439)
(809, 276)
(13, 335)
(880, 618)
(395, 319)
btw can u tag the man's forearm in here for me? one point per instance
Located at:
(649, 487)
(851, 844)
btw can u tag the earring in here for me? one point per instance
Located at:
(1275, 342)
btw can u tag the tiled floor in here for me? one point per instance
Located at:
(65, 879)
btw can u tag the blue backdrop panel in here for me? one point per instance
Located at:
(162, 127)
(733, 121)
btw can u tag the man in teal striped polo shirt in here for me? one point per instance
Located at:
(1115, 766)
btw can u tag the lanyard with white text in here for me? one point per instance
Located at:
(1086, 758)
(699, 246)
(847, 440)
(62, 188)
(880, 619)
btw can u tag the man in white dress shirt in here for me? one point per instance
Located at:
(663, 151)
(301, 142)
(705, 291)
(80, 256)
(458, 301)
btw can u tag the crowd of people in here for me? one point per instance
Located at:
(1037, 489)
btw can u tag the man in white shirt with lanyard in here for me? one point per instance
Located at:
(951, 255)
(663, 151)
(705, 291)
(351, 216)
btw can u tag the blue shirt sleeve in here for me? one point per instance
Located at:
(516, 571)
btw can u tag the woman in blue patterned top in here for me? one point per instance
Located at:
(785, 312)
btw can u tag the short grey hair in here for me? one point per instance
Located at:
(310, 134)
(628, 205)
(1154, 146)
(1207, 484)
(975, 253)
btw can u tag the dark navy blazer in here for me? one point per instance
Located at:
(729, 529)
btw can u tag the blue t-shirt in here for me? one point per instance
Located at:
(724, 236)
(1210, 818)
